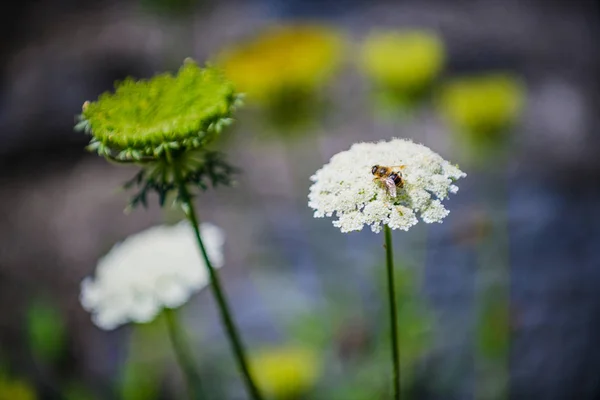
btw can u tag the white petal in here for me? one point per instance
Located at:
(172, 293)
(159, 267)
(144, 309)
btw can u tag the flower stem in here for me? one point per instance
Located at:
(183, 355)
(389, 258)
(217, 290)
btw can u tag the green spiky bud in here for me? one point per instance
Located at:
(140, 118)
(165, 124)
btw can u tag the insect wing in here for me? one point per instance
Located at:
(391, 186)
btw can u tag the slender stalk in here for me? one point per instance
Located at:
(389, 258)
(183, 355)
(217, 290)
(493, 295)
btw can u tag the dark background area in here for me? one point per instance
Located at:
(60, 210)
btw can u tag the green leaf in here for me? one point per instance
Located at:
(148, 353)
(46, 331)
(76, 391)
(494, 326)
(140, 382)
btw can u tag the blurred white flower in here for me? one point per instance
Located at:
(345, 186)
(159, 267)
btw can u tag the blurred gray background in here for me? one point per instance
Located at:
(60, 208)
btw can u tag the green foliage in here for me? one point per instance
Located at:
(46, 331)
(142, 374)
(76, 391)
(367, 381)
(359, 345)
(315, 329)
(494, 325)
(140, 381)
(14, 388)
(415, 325)
(147, 118)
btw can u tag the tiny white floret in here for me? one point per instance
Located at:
(157, 268)
(345, 186)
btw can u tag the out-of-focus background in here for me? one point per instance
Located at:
(500, 301)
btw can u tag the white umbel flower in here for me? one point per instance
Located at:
(159, 267)
(346, 187)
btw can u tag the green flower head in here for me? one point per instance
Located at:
(165, 124)
(144, 118)
(483, 104)
(403, 60)
(483, 111)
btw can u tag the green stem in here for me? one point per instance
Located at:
(217, 290)
(493, 281)
(183, 354)
(389, 258)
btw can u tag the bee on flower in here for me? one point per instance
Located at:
(410, 182)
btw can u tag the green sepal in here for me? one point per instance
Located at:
(198, 169)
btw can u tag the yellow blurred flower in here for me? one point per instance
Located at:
(403, 61)
(11, 389)
(281, 58)
(482, 104)
(285, 372)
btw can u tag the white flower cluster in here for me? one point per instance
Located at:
(346, 186)
(159, 267)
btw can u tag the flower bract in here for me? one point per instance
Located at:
(346, 188)
(157, 268)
